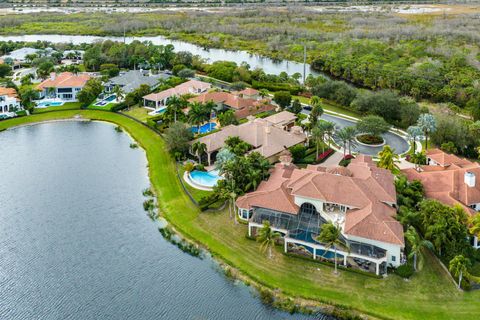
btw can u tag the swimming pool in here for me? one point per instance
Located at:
(106, 101)
(158, 111)
(45, 104)
(204, 128)
(205, 179)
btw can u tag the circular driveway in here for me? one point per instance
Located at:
(398, 143)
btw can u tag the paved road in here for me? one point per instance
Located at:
(399, 144)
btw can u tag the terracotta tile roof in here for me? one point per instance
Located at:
(11, 92)
(249, 92)
(446, 182)
(190, 87)
(226, 98)
(265, 138)
(366, 191)
(281, 118)
(65, 80)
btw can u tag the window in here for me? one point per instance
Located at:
(63, 90)
(394, 258)
(308, 208)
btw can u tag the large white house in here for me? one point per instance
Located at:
(64, 86)
(9, 101)
(360, 199)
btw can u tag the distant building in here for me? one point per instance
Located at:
(156, 101)
(360, 199)
(133, 79)
(244, 103)
(65, 86)
(450, 180)
(19, 56)
(9, 101)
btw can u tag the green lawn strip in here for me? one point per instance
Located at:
(139, 113)
(65, 106)
(428, 295)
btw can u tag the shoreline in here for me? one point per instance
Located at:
(187, 221)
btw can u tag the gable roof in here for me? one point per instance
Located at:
(191, 86)
(367, 192)
(446, 182)
(10, 92)
(133, 79)
(64, 80)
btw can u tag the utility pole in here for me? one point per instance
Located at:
(304, 61)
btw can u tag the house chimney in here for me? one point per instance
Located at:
(469, 179)
(53, 75)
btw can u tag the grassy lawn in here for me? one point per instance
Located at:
(428, 295)
(106, 107)
(330, 106)
(65, 106)
(139, 113)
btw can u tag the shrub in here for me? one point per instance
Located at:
(119, 106)
(405, 271)
(298, 152)
(200, 167)
(370, 139)
(189, 166)
(324, 155)
(266, 296)
(207, 201)
(177, 68)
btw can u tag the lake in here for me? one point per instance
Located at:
(268, 65)
(75, 242)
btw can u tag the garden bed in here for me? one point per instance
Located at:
(370, 140)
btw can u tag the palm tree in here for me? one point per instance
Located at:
(329, 128)
(330, 235)
(417, 244)
(118, 92)
(51, 92)
(266, 236)
(475, 225)
(253, 176)
(176, 104)
(439, 233)
(317, 136)
(199, 148)
(388, 159)
(427, 123)
(350, 133)
(414, 132)
(458, 267)
(343, 136)
(317, 110)
(197, 115)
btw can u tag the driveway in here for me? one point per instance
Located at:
(398, 144)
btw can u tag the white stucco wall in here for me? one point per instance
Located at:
(393, 250)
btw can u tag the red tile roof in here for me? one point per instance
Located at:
(445, 182)
(64, 80)
(367, 190)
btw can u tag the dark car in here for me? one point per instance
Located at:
(307, 107)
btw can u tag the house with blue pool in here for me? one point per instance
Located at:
(360, 199)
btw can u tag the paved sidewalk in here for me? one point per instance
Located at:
(333, 160)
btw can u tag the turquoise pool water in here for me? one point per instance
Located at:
(205, 128)
(45, 104)
(207, 179)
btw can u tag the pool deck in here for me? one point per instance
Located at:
(187, 179)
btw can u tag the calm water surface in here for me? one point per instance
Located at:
(75, 242)
(268, 65)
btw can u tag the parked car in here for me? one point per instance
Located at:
(307, 107)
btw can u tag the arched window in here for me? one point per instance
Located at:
(308, 208)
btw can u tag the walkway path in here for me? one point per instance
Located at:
(333, 160)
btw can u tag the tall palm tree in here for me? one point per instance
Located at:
(197, 115)
(330, 235)
(266, 236)
(439, 233)
(350, 133)
(416, 244)
(317, 137)
(343, 136)
(413, 133)
(329, 128)
(388, 159)
(118, 92)
(199, 148)
(427, 123)
(458, 266)
(176, 104)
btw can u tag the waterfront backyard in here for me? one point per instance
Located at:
(429, 294)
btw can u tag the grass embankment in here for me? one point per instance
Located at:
(65, 106)
(428, 295)
(139, 113)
